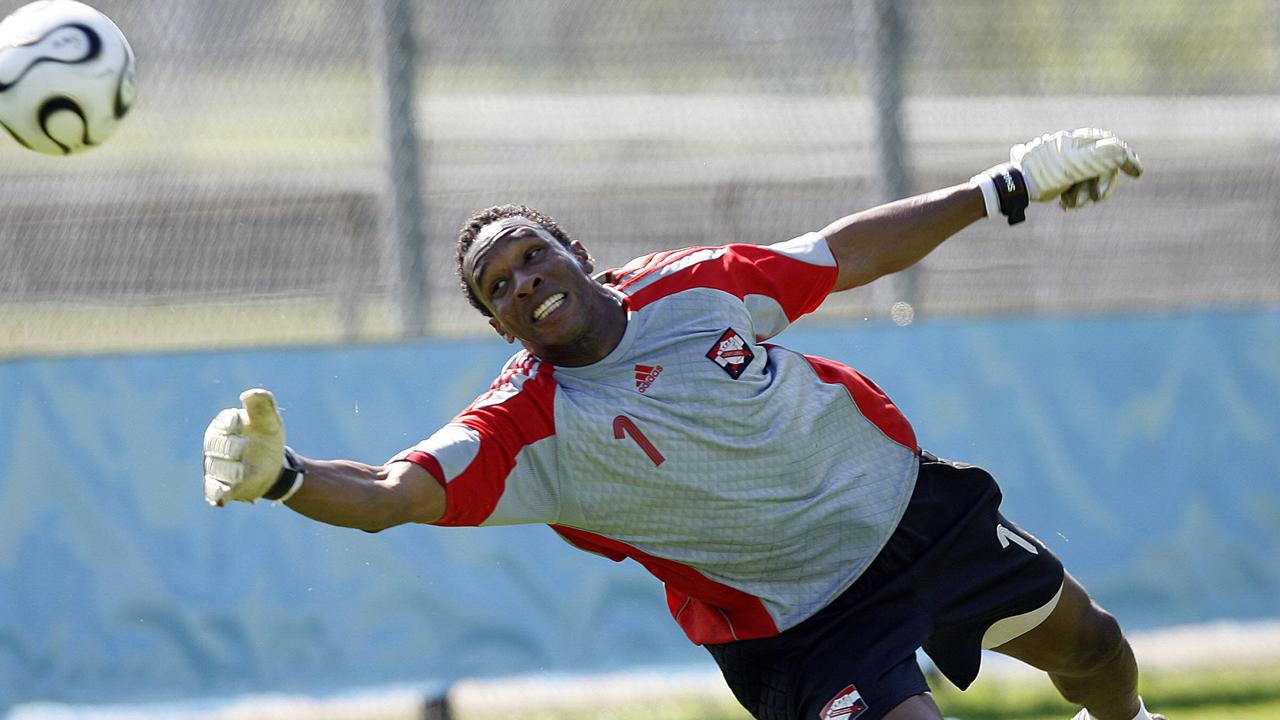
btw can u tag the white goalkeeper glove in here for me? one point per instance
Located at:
(245, 457)
(1077, 167)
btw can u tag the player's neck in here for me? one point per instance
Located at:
(605, 325)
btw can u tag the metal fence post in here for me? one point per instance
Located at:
(884, 37)
(397, 63)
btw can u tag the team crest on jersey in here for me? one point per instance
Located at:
(846, 705)
(646, 376)
(731, 353)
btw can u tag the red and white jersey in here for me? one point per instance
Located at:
(756, 482)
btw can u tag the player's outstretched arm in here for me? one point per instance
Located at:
(368, 497)
(894, 236)
(1074, 167)
(245, 458)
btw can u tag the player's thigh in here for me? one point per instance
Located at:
(1075, 632)
(821, 686)
(916, 707)
(846, 684)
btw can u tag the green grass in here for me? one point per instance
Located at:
(1246, 693)
(1238, 693)
(670, 709)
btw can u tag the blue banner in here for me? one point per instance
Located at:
(1137, 447)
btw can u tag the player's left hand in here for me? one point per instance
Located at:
(1077, 167)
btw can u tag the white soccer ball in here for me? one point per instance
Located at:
(66, 76)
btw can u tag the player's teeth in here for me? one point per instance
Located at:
(548, 305)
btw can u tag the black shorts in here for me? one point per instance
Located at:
(946, 574)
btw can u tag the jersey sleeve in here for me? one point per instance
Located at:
(778, 283)
(476, 456)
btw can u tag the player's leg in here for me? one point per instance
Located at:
(824, 672)
(792, 684)
(853, 660)
(898, 692)
(916, 707)
(993, 585)
(1083, 650)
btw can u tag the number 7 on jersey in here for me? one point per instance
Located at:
(623, 426)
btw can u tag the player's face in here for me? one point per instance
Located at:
(540, 292)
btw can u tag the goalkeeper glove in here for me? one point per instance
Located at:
(245, 457)
(1077, 167)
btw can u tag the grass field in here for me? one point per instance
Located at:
(1235, 693)
(1217, 671)
(1251, 693)
(1227, 692)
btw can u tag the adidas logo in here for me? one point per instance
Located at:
(646, 375)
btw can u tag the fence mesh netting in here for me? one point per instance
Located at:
(244, 200)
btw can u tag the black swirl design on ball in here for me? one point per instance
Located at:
(58, 104)
(16, 136)
(121, 105)
(91, 52)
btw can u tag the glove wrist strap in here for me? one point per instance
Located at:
(1004, 188)
(289, 480)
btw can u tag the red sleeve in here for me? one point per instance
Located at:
(473, 455)
(778, 282)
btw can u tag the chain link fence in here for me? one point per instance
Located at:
(246, 198)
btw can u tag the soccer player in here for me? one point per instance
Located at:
(804, 536)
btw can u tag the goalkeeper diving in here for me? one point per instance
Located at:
(805, 536)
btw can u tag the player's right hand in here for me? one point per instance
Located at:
(243, 450)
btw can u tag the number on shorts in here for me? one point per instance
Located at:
(1006, 536)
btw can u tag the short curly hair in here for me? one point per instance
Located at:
(471, 229)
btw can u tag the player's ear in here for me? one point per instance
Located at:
(503, 333)
(584, 258)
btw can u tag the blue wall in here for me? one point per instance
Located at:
(1138, 447)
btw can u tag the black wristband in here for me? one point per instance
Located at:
(1011, 189)
(287, 478)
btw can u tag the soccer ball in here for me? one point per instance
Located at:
(66, 76)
